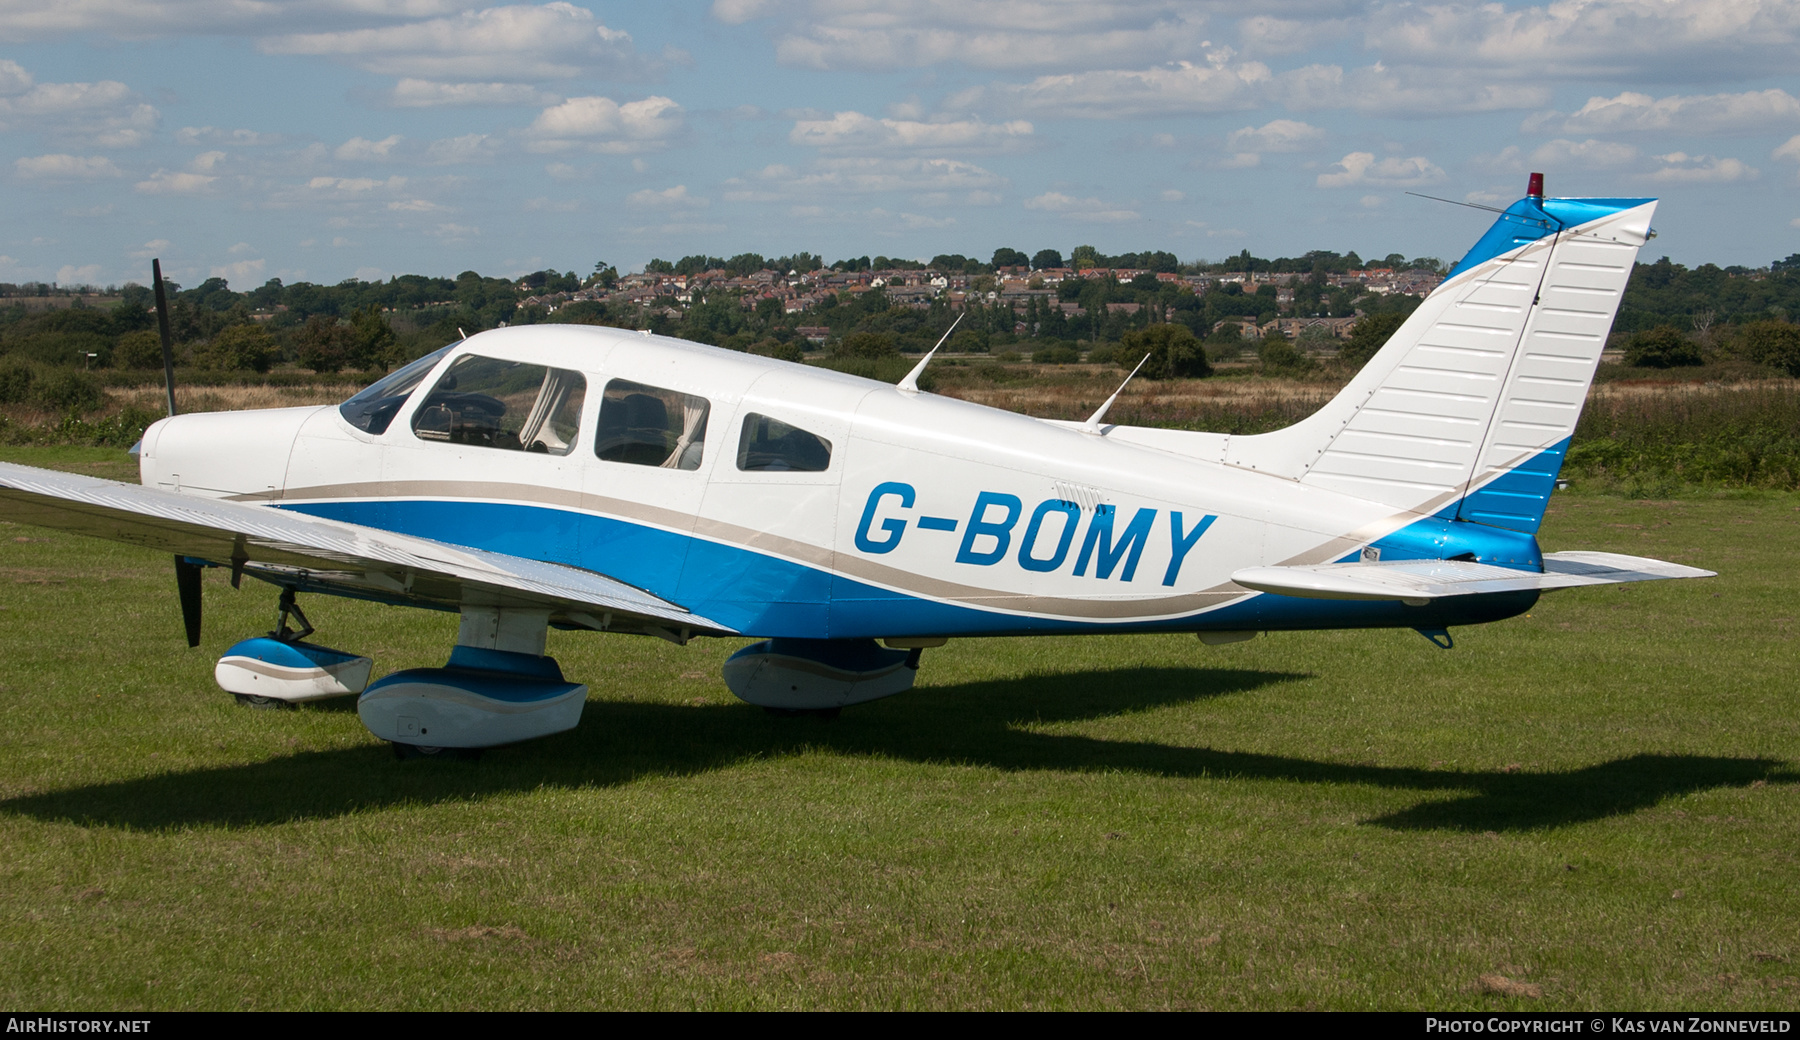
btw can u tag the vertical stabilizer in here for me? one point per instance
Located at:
(1468, 409)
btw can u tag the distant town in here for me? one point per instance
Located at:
(1044, 304)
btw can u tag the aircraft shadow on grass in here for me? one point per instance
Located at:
(977, 724)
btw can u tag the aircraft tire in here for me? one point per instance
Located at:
(250, 700)
(405, 752)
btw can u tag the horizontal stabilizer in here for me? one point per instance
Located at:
(311, 553)
(1435, 579)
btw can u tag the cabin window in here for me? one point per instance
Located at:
(772, 446)
(374, 407)
(509, 405)
(650, 426)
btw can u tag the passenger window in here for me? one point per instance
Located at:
(770, 445)
(649, 426)
(510, 405)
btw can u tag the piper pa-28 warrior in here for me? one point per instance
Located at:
(617, 481)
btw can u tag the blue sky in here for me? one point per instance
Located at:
(325, 139)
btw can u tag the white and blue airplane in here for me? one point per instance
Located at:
(615, 481)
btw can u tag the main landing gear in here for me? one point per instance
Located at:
(282, 669)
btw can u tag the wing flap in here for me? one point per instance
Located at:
(1437, 579)
(328, 555)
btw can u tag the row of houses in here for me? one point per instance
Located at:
(799, 293)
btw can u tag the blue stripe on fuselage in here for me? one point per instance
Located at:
(766, 596)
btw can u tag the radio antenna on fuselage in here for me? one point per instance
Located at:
(1093, 424)
(910, 385)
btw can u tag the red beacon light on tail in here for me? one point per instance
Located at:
(1535, 187)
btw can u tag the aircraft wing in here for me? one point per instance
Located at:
(1436, 579)
(313, 554)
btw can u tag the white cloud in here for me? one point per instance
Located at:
(1177, 88)
(206, 162)
(917, 222)
(13, 78)
(856, 132)
(1277, 135)
(454, 232)
(415, 206)
(936, 181)
(1088, 210)
(354, 185)
(106, 114)
(1380, 90)
(1583, 155)
(239, 271)
(361, 149)
(1790, 150)
(86, 274)
(1371, 201)
(66, 168)
(192, 135)
(150, 249)
(1750, 112)
(163, 182)
(1682, 168)
(1015, 34)
(603, 125)
(1173, 196)
(241, 248)
(424, 93)
(138, 19)
(1360, 168)
(1594, 39)
(668, 198)
(453, 151)
(516, 43)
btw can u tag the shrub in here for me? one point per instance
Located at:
(1772, 343)
(237, 347)
(68, 391)
(1174, 352)
(324, 345)
(140, 349)
(1281, 358)
(15, 382)
(865, 345)
(1368, 336)
(776, 349)
(1056, 355)
(1662, 347)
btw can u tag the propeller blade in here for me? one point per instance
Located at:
(187, 583)
(168, 347)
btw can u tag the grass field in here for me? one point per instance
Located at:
(1597, 799)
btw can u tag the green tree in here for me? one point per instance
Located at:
(1174, 352)
(324, 345)
(865, 345)
(1662, 347)
(1084, 257)
(1045, 258)
(1004, 257)
(1368, 336)
(375, 343)
(140, 349)
(15, 382)
(246, 347)
(1280, 358)
(1773, 343)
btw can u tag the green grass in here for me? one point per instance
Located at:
(1598, 798)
